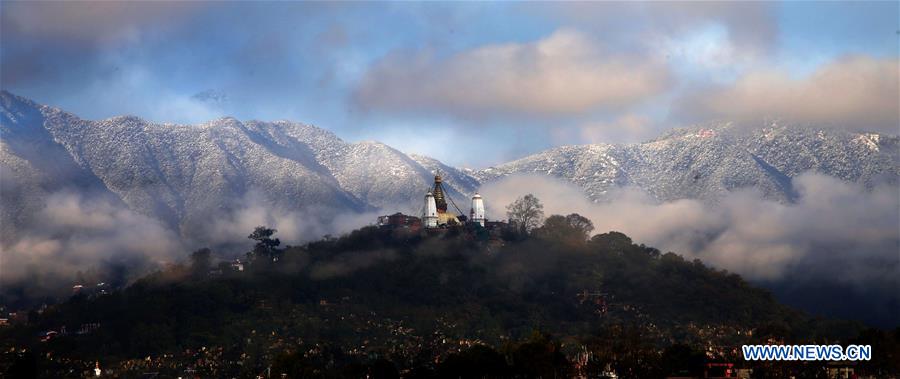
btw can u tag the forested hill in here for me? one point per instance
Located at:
(415, 303)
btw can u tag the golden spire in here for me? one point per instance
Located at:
(439, 193)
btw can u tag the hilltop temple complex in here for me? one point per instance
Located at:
(437, 214)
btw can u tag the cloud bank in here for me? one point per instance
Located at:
(855, 92)
(833, 226)
(227, 230)
(565, 72)
(79, 233)
(74, 233)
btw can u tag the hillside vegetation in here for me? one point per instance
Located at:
(390, 301)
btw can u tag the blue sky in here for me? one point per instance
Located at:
(472, 83)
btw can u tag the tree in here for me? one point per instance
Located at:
(478, 361)
(266, 246)
(526, 213)
(540, 357)
(682, 360)
(24, 366)
(580, 223)
(572, 228)
(382, 369)
(612, 241)
(555, 228)
(201, 261)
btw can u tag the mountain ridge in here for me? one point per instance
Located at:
(181, 174)
(705, 162)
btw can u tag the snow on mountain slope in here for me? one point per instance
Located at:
(461, 183)
(707, 162)
(593, 167)
(33, 165)
(183, 174)
(375, 173)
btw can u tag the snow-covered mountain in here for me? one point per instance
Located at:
(708, 161)
(184, 174)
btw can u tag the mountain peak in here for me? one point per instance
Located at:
(12, 103)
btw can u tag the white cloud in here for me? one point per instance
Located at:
(75, 233)
(707, 28)
(560, 74)
(624, 129)
(95, 23)
(855, 92)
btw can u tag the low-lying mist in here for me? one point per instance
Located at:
(226, 231)
(79, 238)
(836, 240)
(77, 234)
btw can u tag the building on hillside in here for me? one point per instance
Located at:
(400, 220)
(437, 212)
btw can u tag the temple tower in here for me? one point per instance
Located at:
(438, 192)
(477, 212)
(430, 216)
